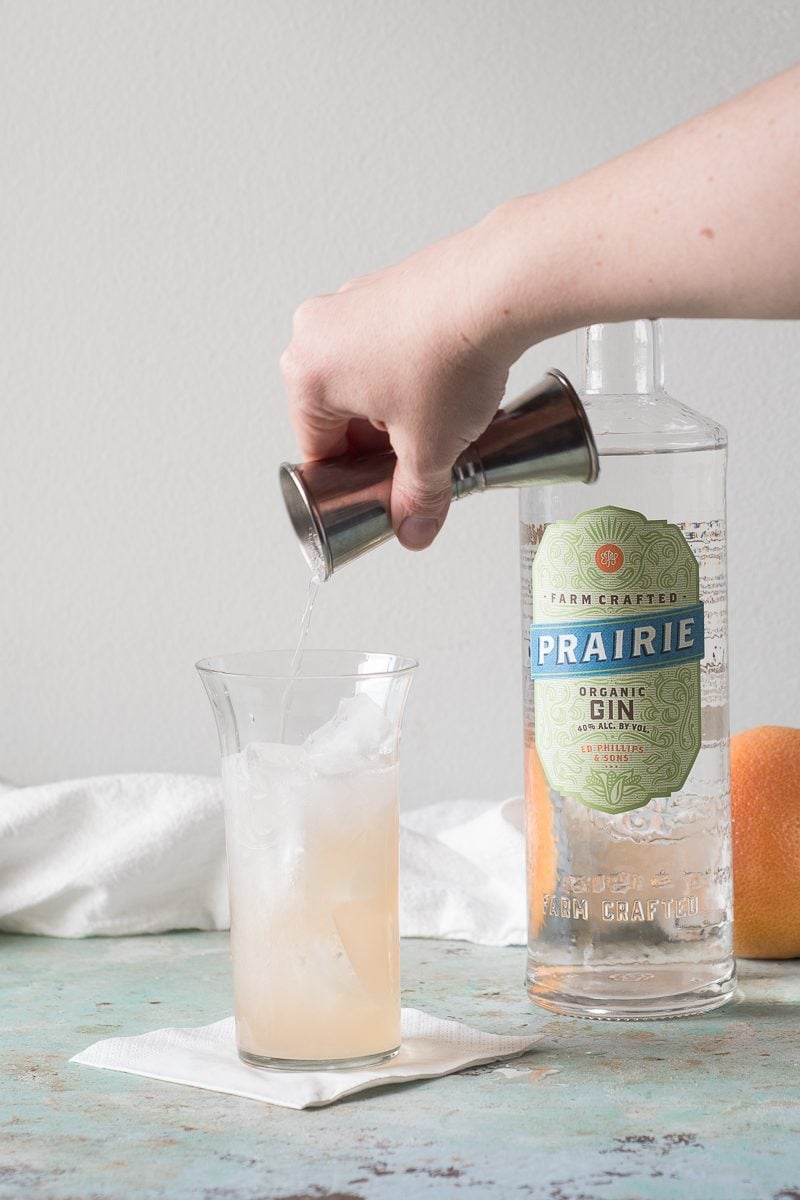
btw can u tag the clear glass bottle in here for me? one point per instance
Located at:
(626, 704)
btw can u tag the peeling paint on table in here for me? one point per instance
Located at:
(694, 1109)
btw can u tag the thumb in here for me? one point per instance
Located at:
(420, 500)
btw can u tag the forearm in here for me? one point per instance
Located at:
(702, 222)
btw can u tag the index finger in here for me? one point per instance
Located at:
(320, 433)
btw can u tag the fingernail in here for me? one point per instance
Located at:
(418, 532)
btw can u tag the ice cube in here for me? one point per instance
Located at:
(264, 792)
(269, 758)
(294, 957)
(368, 936)
(358, 736)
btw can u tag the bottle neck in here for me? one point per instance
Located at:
(622, 359)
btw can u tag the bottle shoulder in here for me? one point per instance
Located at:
(652, 423)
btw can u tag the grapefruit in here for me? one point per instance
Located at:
(541, 846)
(765, 799)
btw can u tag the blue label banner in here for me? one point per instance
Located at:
(614, 646)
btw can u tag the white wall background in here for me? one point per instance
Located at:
(175, 176)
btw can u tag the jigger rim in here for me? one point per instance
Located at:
(583, 419)
(349, 661)
(305, 518)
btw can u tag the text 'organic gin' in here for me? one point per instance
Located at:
(626, 704)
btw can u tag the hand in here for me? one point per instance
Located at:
(400, 358)
(700, 222)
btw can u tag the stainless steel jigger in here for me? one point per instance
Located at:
(339, 507)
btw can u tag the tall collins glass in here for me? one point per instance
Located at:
(310, 772)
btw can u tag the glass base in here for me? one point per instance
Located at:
(649, 994)
(323, 1064)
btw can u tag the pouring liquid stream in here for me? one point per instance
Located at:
(297, 658)
(305, 623)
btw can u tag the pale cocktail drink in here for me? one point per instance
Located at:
(310, 745)
(312, 833)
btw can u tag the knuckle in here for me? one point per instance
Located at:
(424, 466)
(288, 363)
(423, 496)
(306, 315)
(299, 375)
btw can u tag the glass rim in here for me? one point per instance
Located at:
(225, 664)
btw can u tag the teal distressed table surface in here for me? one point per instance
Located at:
(707, 1107)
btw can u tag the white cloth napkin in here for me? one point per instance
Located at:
(126, 854)
(113, 855)
(462, 872)
(206, 1057)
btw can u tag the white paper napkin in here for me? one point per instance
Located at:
(206, 1057)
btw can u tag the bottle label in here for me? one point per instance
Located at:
(616, 644)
